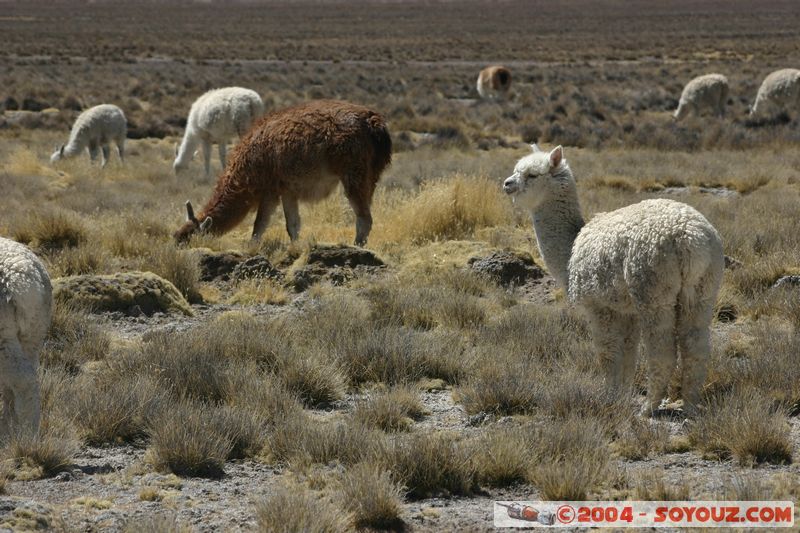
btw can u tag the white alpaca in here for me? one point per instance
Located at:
(650, 269)
(704, 93)
(25, 308)
(214, 118)
(95, 129)
(494, 82)
(780, 91)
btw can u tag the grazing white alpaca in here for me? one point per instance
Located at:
(95, 129)
(650, 269)
(704, 93)
(214, 118)
(25, 309)
(780, 91)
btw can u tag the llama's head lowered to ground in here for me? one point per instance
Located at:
(192, 225)
(538, 177)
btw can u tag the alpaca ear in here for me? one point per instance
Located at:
(190, 213)
(556, 156)
(206, 224)
(61, 150)
(535, 148)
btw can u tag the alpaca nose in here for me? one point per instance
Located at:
(510, 185)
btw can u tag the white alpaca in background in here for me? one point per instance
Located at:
(707, 93)
(215, 118)
(25, 313)
(780, 91)
(651, 269)
(95, 129)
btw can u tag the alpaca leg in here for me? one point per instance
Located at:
(662, 356)
(121, 149)
(291, 211)
(106, 154)
(93, 150)
(22, 400)
(694, 341)
(608, 333)
(630, 349)
(266, 207)
(359, 187)
(222, 151)
(207, 157)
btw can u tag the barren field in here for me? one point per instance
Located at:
(315, 386)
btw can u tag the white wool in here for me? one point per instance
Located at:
(651, 269)
(95, 129)
(25, 312)
(707, 93)
(215, 118)
(780, 91)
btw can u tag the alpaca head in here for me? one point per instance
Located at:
(538, 177)
(192, 225)
(58, 154)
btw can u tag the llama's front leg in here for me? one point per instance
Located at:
(662, 356)
(207, 157)
(93, 150)
(222, 151)
(106, 154)
(291, 211)
(266, 207)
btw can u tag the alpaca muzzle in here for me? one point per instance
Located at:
(511, 185)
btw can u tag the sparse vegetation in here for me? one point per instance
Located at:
(350, 403)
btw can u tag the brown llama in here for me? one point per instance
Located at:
(298, 154)
(494, 82)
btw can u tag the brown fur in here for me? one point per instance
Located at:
(495, 79)
(300, 154)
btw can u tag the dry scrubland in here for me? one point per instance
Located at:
(415, 395)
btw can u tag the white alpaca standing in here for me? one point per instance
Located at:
(780, 91)
(25, 312)
(214, 118)
(95, 129)
(704, 93)
(650, 269)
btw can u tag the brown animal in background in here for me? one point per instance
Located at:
(298, 154)
(494, 82)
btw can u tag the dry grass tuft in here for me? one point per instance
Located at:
(392, 410)
(571, 459)
(45, 452)
(51, 229)
(652, 485)
(185, 438)
(299, 509)
(746, 426)
(500, 458)
(373, 498)
(450, 209)
(430, 464)
(74, 338)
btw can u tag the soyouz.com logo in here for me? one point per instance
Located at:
(746, 514)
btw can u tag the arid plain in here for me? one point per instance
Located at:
(312, 387)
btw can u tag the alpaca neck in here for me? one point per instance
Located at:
(229, 204)
(557, 224)
(74, 146)
(186, 149)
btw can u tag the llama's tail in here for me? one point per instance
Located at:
(381, 143)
